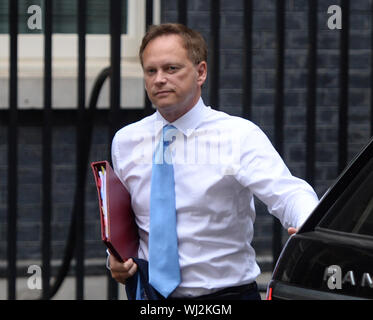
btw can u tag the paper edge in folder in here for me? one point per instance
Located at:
(107, 240)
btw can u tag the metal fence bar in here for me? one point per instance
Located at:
(47, 150)
(115, 92)
(12, 152)
(182, 11)
(214, 57)
(279, 111)
(311, 91)
(149, 13)
(82, 122)
(343, 88)
(247, 59)
(115, 63)
(371, 79)
(81, 146)
(148, 22)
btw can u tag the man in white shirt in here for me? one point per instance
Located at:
(220, 162)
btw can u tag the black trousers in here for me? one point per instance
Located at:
(245, 292)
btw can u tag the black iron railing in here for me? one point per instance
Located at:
(12, 152)
(84, 118)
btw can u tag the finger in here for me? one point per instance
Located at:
(292, 231)
(132, 270)
(114, 263)
(120, 275)
(128, 264)
(124, 273)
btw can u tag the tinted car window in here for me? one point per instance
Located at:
(353, 210)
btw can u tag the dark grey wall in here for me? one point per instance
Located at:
(264, 59)
(29, 223)
(63, 183)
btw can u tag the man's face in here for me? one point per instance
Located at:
(172, 81)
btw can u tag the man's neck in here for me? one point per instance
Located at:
(171, 113)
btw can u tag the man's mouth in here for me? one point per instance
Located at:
(163, 92)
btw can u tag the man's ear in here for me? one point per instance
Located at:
(202, 72)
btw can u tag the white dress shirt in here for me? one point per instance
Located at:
(220, 162)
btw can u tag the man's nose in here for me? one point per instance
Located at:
(160, 78)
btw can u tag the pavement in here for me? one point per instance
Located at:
(95, 282)
(95, 288)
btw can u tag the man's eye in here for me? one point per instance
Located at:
(151, 71)
(172, 68)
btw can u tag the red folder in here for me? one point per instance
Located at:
(122, 238)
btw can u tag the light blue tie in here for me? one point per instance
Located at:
(164, 268)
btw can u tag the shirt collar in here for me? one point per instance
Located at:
(186, 123)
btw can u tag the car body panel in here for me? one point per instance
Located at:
(307, 256)
(338, 234)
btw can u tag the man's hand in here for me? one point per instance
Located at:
(292, 231)
(122, 271)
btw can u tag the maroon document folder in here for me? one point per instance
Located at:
(119, 230)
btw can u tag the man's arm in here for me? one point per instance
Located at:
(262, 169)
(119, 271)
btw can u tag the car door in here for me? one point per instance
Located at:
(331, 257)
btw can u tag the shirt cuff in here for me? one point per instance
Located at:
(302, 209)
(107, 260)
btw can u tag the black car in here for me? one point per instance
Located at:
(331, 256)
